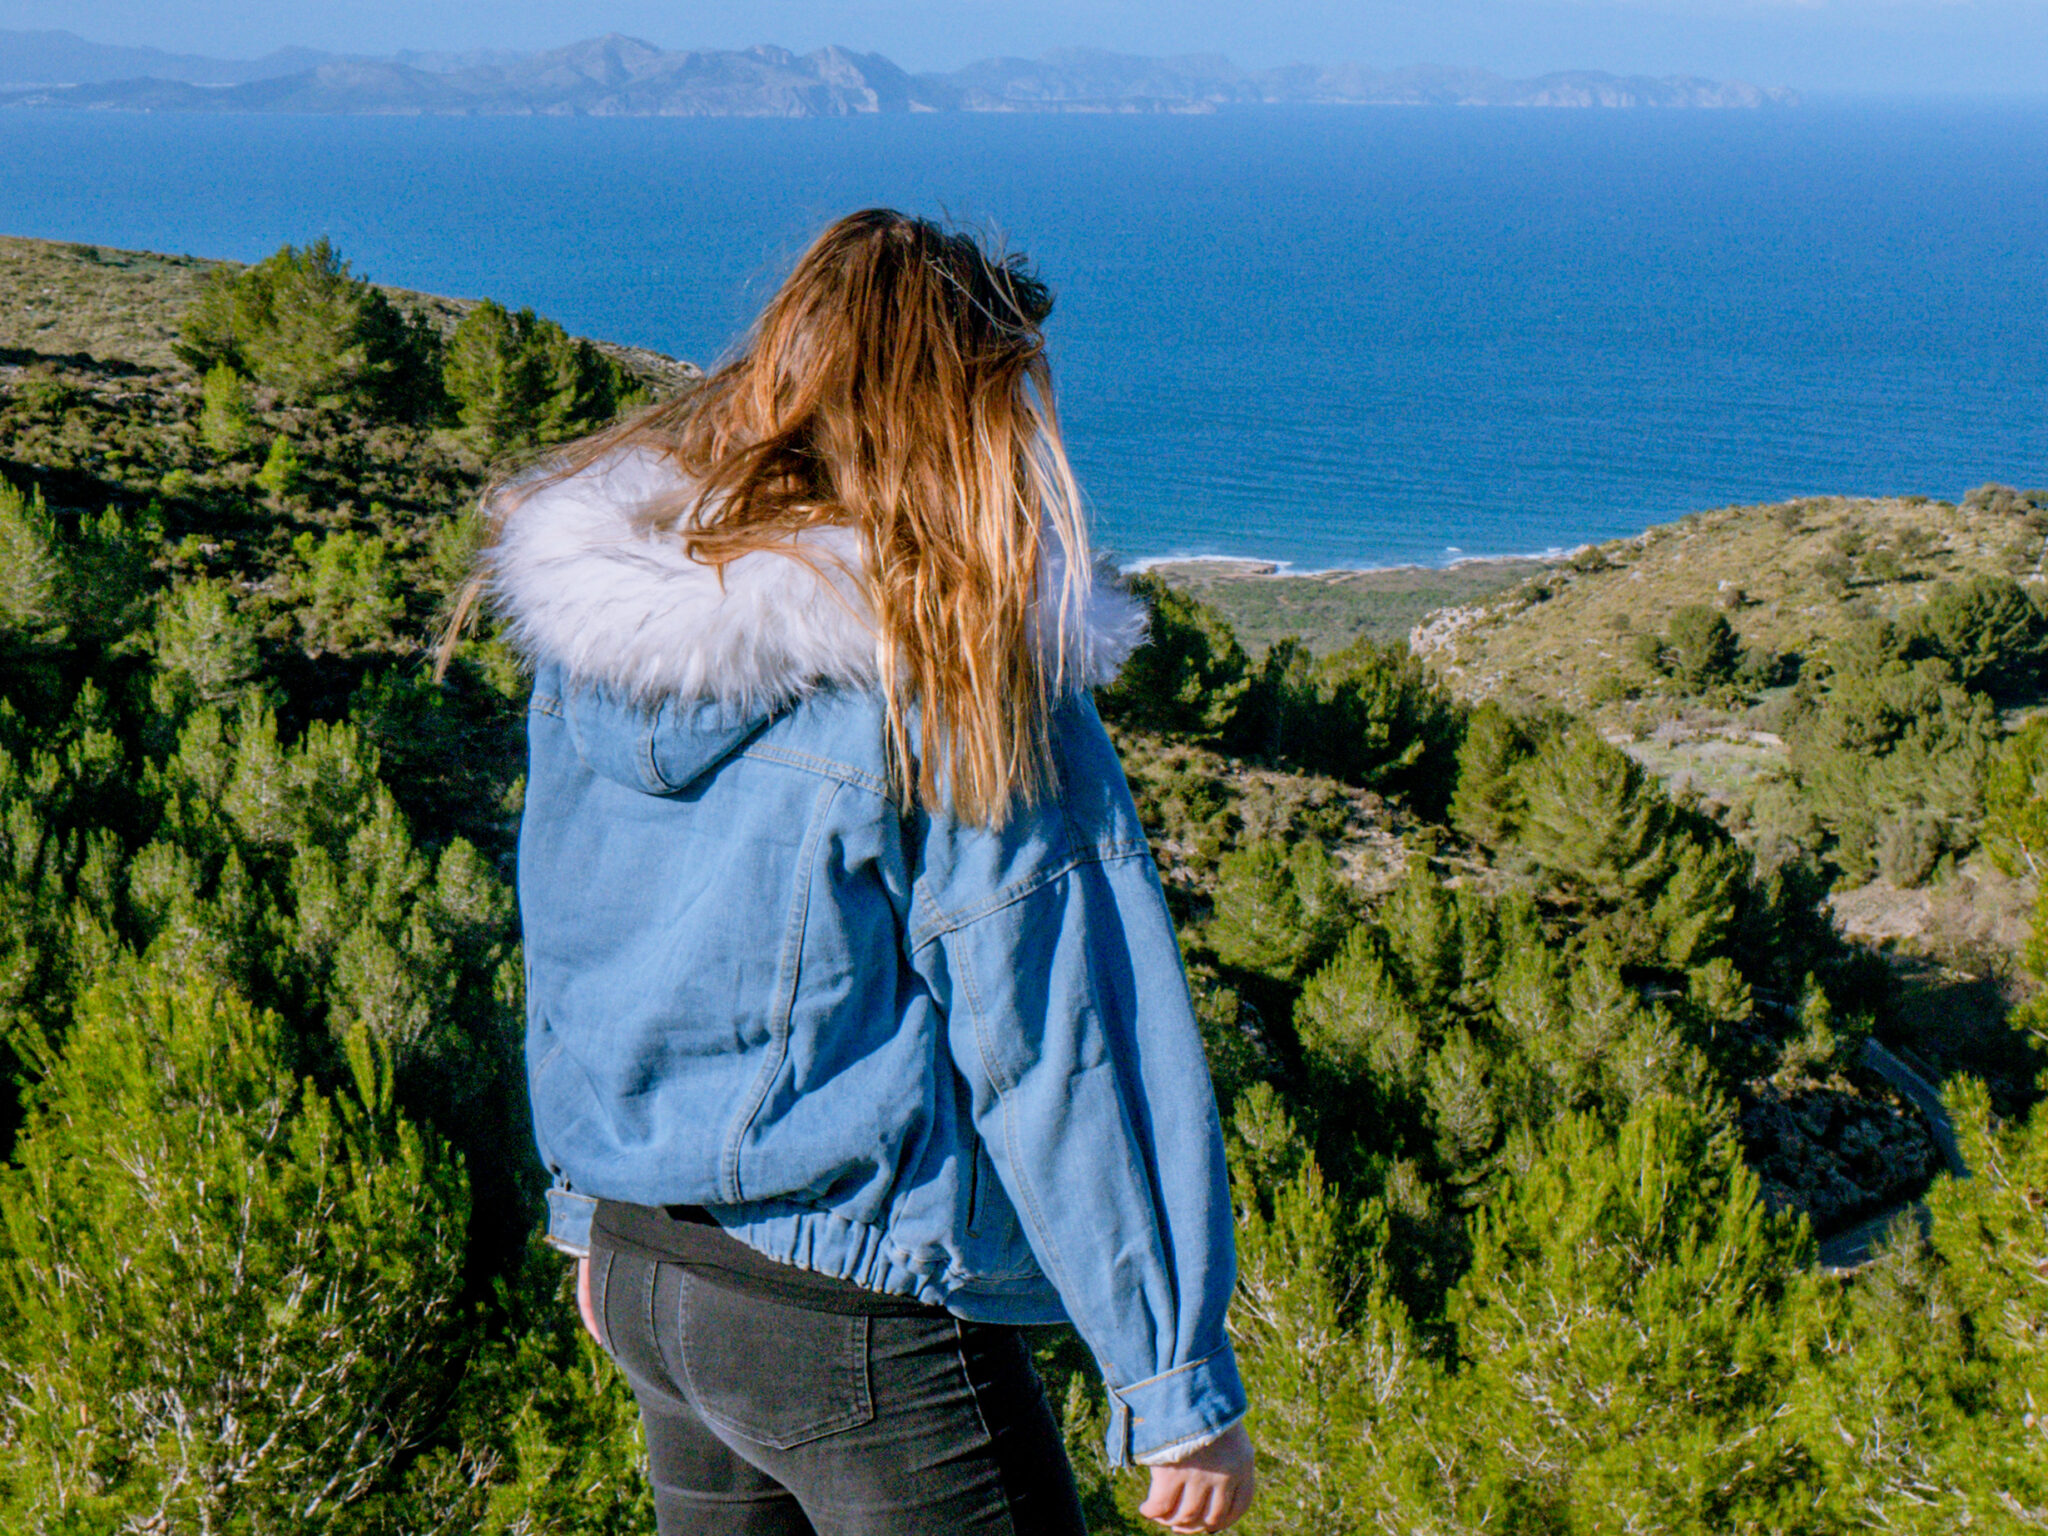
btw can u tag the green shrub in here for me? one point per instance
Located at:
(1704, 649)
(255, 1284)
(516, 378)
(283, 473)
(301, 323)
(347, 590)
(225, 423)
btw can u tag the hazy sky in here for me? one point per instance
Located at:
(1856, 45)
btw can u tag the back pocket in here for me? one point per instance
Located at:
(776, 1374)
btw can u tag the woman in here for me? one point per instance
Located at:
(857, 1030)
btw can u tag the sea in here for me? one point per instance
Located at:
(1327, 337)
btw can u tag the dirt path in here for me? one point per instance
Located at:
(1847, 1249)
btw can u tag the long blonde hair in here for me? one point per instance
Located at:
(897, 384)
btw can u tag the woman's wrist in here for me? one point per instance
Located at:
(1167, 1455)
(1207, 1489)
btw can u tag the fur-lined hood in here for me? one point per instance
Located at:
(580, 585)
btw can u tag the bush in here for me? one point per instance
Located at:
(1190, 676)
(1704, 650)
(252, 1283)
(301, 323)
(348, 590)
(283, 473)
(225, 425)
(515, 378)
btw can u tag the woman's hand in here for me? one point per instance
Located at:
(1205, 1490)
(583, 1306)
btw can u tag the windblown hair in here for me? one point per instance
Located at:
(897, 385)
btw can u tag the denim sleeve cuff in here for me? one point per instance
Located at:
(569, 1221)
(1167, 1454)
(1189, 1405)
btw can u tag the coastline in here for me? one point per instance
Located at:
(1235, 567)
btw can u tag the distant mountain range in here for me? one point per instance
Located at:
(617, 76)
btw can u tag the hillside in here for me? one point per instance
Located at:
(1328, 610)
(1792, 578)
(107, 310)
(1569, 1139)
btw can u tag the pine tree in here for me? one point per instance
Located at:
(302, 323)
(1328, 1357)
(225, 423)
(1190, 677)
(1358, 1024)
(1382, 721)
(1703, 647)
(516, 378)
(349, 591)
(1487, 804)
(1621, 1325)
(2015, 831)
(283, 473)
(488, 376)
(1990, 632)
(250, 1286)
(1280, 910)
(204, 642)
(32, 608)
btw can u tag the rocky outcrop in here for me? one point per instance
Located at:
(1839, 1152)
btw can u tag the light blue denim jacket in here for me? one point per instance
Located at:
(938, 1060)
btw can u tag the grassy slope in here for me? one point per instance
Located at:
(1555, 636)
(1330, 609)
(68, 302)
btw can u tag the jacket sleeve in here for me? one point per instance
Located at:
(1069, 1019)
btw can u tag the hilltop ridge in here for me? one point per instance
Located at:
(620, 76)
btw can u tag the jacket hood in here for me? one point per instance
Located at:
(581, 585)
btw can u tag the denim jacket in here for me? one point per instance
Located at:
(935, 1059)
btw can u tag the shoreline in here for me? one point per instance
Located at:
(1246, 567)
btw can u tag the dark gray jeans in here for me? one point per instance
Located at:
(774, 1419)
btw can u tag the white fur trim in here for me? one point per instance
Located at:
(582, 585)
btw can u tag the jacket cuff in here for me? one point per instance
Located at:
(569, 1217)
(1167, 1454)
(1187, 1406)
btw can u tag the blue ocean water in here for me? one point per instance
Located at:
(1329, 336)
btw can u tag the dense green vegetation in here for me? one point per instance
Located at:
(1512, 1040)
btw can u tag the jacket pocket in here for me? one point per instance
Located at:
(985, 1199)
(994, 1246)
(774, 1373)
